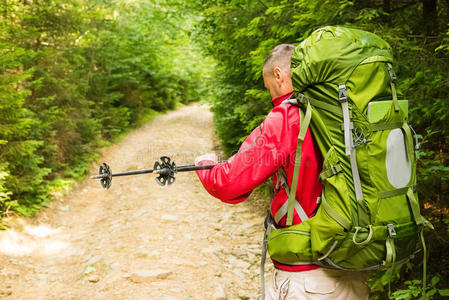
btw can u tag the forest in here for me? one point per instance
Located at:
(76, 76)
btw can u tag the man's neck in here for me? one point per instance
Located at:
(278, 100)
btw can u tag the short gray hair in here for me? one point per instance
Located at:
(279, 57)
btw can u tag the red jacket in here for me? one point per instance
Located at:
(265, 150)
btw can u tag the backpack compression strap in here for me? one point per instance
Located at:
(283, 210)
(393, 86)
(350, 151)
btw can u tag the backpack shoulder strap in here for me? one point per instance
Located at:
(304, 122)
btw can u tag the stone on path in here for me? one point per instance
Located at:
(140, 276)
(93, 278)
(94, 260)
(115, 266)
(89, 269)
(170, 218)
(219, 293)
(238, 273)
(167, 297)
(238, 263)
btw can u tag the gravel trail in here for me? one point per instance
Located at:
(138, 240)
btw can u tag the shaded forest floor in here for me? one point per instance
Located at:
(138, 240)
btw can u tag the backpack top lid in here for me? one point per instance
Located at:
(330, 54)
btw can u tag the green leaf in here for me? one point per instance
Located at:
(435, 280)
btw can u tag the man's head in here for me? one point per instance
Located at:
(276, 70)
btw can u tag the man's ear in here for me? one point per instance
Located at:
(277, 73)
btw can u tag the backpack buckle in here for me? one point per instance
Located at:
(301, 98)
(415, 136)
(391, 231)
(392, 75)
(334, 170)
(342, 94)
(391, 72)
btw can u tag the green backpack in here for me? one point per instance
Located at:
(369, 215)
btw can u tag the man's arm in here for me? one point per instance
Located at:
(259, 157)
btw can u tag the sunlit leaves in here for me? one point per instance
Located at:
(73, 73)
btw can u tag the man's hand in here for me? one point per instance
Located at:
(208, 156)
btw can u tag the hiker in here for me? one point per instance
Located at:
(269, 151)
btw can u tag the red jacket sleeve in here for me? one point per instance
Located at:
(260, 156)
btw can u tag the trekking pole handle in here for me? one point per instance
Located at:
(188, 168)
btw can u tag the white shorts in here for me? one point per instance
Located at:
(317, 284)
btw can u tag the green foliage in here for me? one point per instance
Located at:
(74, 74)
(446, 221)
(382, 279)
(4, 193)
(408, 289)
(239, 34)
(414, 290)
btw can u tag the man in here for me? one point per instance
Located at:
(267, 151)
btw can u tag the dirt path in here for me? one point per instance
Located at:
(138, 240)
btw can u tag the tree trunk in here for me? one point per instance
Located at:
(387, 6)
(430, 16)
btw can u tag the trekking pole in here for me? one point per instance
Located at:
(165, 168)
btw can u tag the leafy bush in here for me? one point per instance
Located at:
(414, 289)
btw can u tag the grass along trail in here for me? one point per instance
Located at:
(138, 240)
